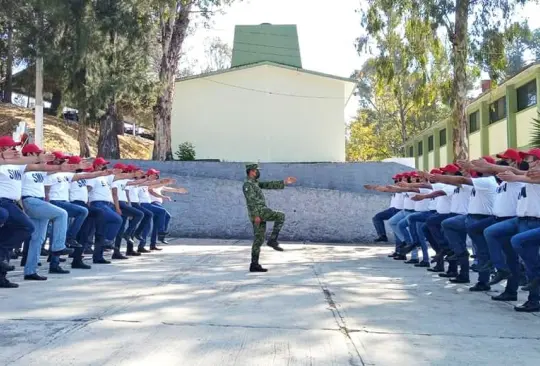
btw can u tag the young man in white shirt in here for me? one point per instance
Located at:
(157, 200)
(396, 205)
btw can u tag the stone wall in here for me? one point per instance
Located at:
(327, 204)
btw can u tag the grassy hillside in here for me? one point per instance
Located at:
(60, 135)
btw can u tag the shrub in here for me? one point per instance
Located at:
(186, 152)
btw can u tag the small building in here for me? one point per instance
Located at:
(266, 107)
(499, 118)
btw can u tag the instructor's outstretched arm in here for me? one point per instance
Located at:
(277, 184)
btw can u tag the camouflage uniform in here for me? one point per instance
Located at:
(256, 206)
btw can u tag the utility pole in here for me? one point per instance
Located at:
(39, 102)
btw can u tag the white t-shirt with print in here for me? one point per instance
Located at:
(59, 184)
(443, 204)
(33, 184)
(101, 189)
(421, 206)
(11, 181)
(144, 195)
(506, 201)
(133, 192)
(529, 199)
(460, 198)
(121, 186)
(483, 196)
(409, 204)
(78, 191)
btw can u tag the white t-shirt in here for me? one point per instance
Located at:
(506, 201)
(483, 196)
(399, 200)
(423, 205)
(160, 200)
(78, 191)
(529, 197)
(11, 181)
(59, 183)
(409, 204)
(32, 184)
(121, 186)
(443, 204)
(144, 195)
(101, 189)
(133, 192)
(460, 198)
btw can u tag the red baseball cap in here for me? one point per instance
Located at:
(7, 141)
(532, 152)
(435, 171)
(120, 166)
(397, 176)
(31, 149)
(152, 172)
(60, 155)
(489, 159)
(451, 168)
(511, 154)
(100, 161)
(74, 160)
(413, 174)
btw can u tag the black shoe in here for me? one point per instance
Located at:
(4, 266)
(132, 253)
(422, 264)
(129, 240)
(381, 239)
(392, 255)
(101, 261)
(80, 265)
(44, 252)
(400, 257)
(460, 280)
(412, 261)
(65, 251)
(501, 275)
(480, 287)
(528, 307)
(58, 270)
(163, 239)
(255, 267)
(505, 296)
(4, 283)
(118, 255)
(153, 247)
(34, 277)
(456, 257)
(448, 275)
(274, 245)
(143, 250)
(436, 269)
(407, 249)
(72, 243)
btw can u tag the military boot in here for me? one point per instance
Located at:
(273, 243)
(256, 267)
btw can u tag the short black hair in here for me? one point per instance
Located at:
(502, 163)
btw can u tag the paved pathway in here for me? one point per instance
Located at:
(195, 304)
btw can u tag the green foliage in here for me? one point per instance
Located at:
(185, 152)
(366, 142)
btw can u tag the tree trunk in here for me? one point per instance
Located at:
(84, 145)
(173, 33)
(460, 125)
(119, 126)
(8, 86)
(108, 144)
(56, 101)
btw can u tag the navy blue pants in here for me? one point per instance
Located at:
(16, 229)
(381, 217)
(128, 212)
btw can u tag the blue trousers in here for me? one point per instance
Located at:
(16, 229)
(393, 222)
(93, 220)
(4, 214)
(167, 216)
(455, 231)
(476, 224)
(110, 225)
(76, 212)
(158, 222)
(434, 226)
(527, 243)
(146, 223)
(127, 213)
(417, 222)
(381, 217)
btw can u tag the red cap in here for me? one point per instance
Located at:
(120, 166)
(489, 159)
(100, 161)
(59, 155)
(532, 152)
(451, 168)
(152, 172)
(435, 171)
(397, 176)
(413, 174)
(31, 149)
(131, 168)
(74, 160)
(7, 141)
(511, 154)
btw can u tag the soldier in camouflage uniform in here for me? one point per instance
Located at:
(259, 214)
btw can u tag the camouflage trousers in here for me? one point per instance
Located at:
(260, 230)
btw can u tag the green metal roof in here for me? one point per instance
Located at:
(266, 42)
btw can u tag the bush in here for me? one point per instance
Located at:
(186, 152)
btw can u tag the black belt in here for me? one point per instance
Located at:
(38, 198)
(530, 218)
(409, 210)
(8, 200)
(479, 216)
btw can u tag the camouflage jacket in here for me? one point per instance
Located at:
(254, 196)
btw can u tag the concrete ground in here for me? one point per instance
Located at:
(195, 304)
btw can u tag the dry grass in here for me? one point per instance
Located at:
(60, 135)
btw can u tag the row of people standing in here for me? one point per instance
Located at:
(493, 202)
(83, 203)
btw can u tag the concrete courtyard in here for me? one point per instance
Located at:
(196, 304)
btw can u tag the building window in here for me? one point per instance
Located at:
(497, 110)
(442, 137)
(474, 123)
(430, 143)
(420, 148)
(526, 95)
(411, 151)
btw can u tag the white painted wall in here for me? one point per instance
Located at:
(524, 120)
(475, 145)
(443, 155)
(431, 160)
(497, 137)
(234, 123)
